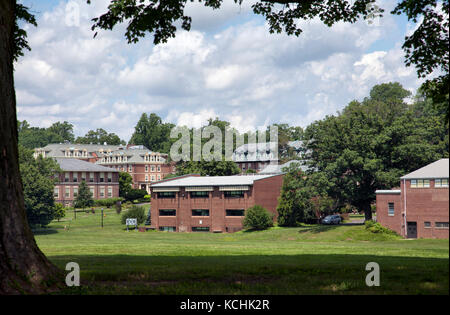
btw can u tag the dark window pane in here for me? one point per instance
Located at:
(167, 212)
(235, 213)
(168, 194)
(200, 229)
(234, 194)
(200, 212)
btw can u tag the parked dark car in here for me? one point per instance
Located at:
(332, 219)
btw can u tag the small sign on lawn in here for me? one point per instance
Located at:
(131, 222)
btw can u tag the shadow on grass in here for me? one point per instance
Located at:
(45, 231)
(319, 228)
(257, 274)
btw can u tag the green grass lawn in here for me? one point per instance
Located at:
(304, 260)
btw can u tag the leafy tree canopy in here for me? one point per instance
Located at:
(100, 136)
(38, 184)
(371, 144)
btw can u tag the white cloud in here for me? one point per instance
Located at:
(227, 66)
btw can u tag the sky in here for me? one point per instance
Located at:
(228, 66)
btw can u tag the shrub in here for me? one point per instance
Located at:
(135, 212)
(108, 203)
(376, 227)
(60, 211)
(257, 218)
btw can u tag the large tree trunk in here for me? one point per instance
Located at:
(23, 267)
(367, 207)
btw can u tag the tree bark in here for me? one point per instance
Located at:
(367, 207)
(23, 267)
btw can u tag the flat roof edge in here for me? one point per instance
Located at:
(388, 192)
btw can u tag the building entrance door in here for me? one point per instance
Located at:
(412, 229)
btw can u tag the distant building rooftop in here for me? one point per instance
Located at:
(278, 168)
(438, 169)
(75, 165)
(245, 180)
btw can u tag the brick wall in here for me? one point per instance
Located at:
(422, 205)
(264, 192)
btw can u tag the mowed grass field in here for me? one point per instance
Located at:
(304, 260)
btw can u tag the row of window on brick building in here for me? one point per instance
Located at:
(72, 192)
(87, 177)
(425, 183)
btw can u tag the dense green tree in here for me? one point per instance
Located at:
(208, 168)
(257, 218)
(60, 211)
(64, 130)
(135, 194)
(370, 145)
(38, 184)
(35, 137)
(100, 136)
(125, 184)
(84, 197)
(303, 197)
(151, 132)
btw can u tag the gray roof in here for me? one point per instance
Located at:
(57, 149)
(190, 181)
(75, 165)
(278, 169)
(135, 155)
(438, 169)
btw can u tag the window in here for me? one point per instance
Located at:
(159, 177)
(199, 194)
(159, 168)
(146, 168)
(427, 224)
(102, 192)
(420, 183)
(442, 225)
(130, 169)
(56, 192)
(167, 213)
(167, 228)
(153, 178)
(109, 192)
(234, 194)
(91, 189)
(91, 177)
(67, 195)
(75, 192)
(83, 176)
(75, 177)
(200, 229)
(153, 168)
(441, 182)
(235, 213)
(102, 177)
(391, 208)
(66, 177)
(109, 177)
(166, 194)
(200, 212)
(146, 178)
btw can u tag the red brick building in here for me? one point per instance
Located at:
(211, 203)
(103, 182)
(143, 165)
(420, 208)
